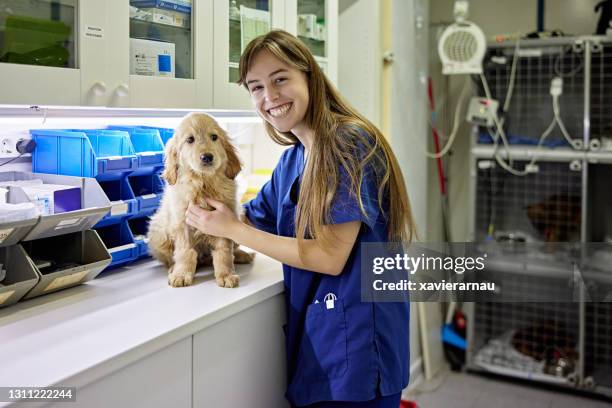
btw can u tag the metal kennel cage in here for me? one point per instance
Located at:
(562, 196)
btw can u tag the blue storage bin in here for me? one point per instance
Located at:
(123, 201)
(148, 190)
(147, 143)
(140, 228)
(164, 133)
(89, 153)
(119, 241)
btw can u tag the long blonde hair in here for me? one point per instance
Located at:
(342, 137)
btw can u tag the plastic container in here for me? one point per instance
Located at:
(148, 146)
(164, 133)
(94, 201)
(122, 200)
(101, 154)
(148, 190)
(20, 275)
(139, 228)
(120, 243)
(66, 260)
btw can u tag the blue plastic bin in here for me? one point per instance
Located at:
(123, 201)
(120, 243)
(148, 145)
(96, 154)
(164, 133)
(140, 228)
(148, 190)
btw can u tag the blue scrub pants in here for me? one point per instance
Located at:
(392, 401)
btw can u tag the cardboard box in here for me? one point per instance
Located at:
(183, 6)
(152, 58)
(54, 198)
(167, 17)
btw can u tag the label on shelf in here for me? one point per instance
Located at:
(4, 234)
(118, 208)
(5, 296)
(66, 280)
(121, 248)
(148, 196)
(67, 223)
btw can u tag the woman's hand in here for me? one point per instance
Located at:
(219, 222)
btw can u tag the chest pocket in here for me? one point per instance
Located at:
(324, 345)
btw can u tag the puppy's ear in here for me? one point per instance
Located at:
(233, 165)
(171, 161)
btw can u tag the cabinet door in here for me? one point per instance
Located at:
(39, 62)
(161, 53)
(236, 23)
(240, 361)
(315, 22)
(160, 380)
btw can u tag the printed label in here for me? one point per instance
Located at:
(5, 296)
(66, 280)
(96, 33)
(118, 208)
(148, 196)
(121, 248)
(67, 223)
(4, 234)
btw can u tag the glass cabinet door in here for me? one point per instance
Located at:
(315, 23)
(39, 52)
(247, 19)
(161, 40)
(38, 32)
(312, 27)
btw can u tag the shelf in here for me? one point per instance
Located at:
(160, 25)
(525, 152)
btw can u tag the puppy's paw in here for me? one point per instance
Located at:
(177, 280)
(228, 281)
(243, 257)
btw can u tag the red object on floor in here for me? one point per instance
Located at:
(408, 404)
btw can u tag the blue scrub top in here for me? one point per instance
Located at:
(355, 350)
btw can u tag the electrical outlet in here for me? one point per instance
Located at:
(8, 146)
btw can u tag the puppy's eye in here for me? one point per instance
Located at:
(213, 137)
(190, 139)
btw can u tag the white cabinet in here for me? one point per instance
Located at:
(38, 56)
(236, 23)
(162, 380)
(78, 52)
(240, 361)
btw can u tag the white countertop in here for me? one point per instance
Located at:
(76, 336)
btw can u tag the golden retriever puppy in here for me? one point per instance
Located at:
(200, 162)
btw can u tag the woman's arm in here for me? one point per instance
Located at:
(222, 222)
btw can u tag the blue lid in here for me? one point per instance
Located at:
(164, 62)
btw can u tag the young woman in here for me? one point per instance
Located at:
(338, 186)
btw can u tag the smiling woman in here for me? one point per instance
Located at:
(338, 186)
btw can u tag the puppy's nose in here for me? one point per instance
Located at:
(207, 158)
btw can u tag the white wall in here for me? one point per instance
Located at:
(359, 56)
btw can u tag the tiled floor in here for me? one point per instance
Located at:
(463, 390)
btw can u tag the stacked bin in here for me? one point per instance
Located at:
(30, 248)
(119, 160)
(145, 182)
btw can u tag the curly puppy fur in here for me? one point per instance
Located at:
(200, 162)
